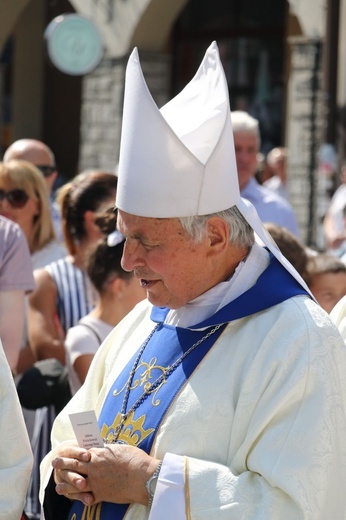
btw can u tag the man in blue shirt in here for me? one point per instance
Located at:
(270, 206)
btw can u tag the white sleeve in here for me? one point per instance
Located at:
(80, 341)
(15, 456)
(169, 497)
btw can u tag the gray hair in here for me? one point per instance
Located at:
(242, 122)
(241, 233)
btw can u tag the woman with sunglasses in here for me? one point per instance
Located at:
(24, 200)
(38, 153)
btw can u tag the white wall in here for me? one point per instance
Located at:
(125, 24)
(311, 15)
(342, 56)
(117, 24)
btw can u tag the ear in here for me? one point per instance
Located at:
(89, 221)
(52, 178)
(117, 286)
(218, 235)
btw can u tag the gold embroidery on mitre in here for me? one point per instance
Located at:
(132, 433)
(144, 379)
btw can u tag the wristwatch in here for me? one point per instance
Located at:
(151, 484)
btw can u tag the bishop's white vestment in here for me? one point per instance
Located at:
(259, 427)
(16, 457)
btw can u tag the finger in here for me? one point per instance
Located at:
(74, 452)
(68, 464)
(87, 498)
(70, 482)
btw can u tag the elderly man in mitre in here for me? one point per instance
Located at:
(222, 395)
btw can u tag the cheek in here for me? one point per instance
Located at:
(163, 263)
(31, 210)
(182, 270)
(176, 265)
(253, 159)
(15, 215)
(29, 216)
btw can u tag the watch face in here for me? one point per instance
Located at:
(152, 485)
(74, 44)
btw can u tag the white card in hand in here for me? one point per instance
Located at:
(86, 429)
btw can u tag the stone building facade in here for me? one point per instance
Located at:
(81, 117)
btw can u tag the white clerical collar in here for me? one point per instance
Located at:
(205, 305)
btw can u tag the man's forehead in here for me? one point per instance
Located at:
(245, 136)
(40, 156)
(34, 155)
(136, 225)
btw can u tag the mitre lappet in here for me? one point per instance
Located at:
(179, 161)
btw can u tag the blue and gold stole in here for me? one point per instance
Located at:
(165, 346)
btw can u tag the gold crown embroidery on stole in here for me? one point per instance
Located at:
(133, 432)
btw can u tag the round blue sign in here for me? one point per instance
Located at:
(74, 44)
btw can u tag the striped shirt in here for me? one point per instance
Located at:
(75, 292)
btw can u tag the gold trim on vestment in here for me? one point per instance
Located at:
(187, 489)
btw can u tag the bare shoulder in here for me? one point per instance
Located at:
(44, 285)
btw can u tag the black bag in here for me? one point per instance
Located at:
(44, 384)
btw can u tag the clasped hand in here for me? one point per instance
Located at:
(116, 473)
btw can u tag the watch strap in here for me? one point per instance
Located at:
(151, 484)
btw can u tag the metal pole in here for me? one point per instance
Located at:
(330, 70)
(314, 85)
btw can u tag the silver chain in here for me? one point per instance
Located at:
(152, 387)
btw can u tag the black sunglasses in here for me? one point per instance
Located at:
(46, 170)
(16, 198)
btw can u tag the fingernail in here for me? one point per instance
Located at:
(85, 456)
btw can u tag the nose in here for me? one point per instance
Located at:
(242, 155)
(132, 255)
(4, 203)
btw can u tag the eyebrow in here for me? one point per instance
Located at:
(137, 235)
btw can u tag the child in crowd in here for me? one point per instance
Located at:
(290, 246)
(326, 278)
(118, 291)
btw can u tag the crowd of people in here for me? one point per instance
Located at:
(203, 334)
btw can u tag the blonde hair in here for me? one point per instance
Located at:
(23, 175)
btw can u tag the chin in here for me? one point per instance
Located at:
(157, 302)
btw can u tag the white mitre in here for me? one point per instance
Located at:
(180, 161)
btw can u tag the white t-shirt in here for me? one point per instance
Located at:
(84, 338)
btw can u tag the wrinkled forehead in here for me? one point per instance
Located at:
(247, 138)
(136, 226)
